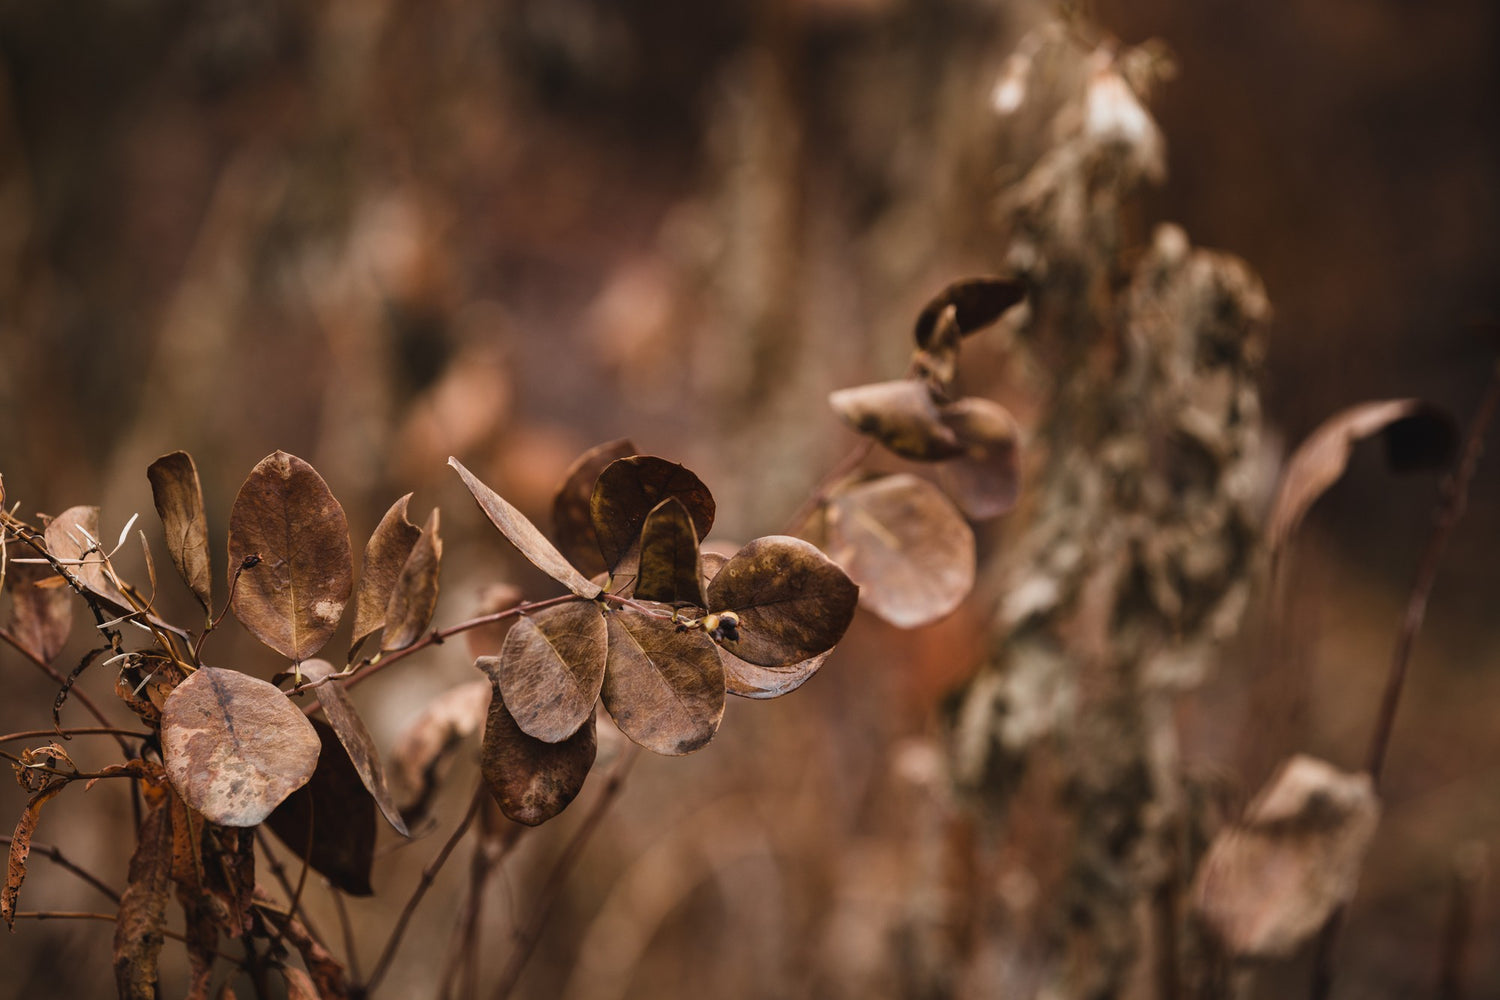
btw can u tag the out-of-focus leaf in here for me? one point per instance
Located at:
(299, 985)
(900, 415)
(486, 640)
(664, 687)
(20, 849)
(629, 489)
(986, 478)
(1418, 436)
(234, 746)
(670, 570)
(293, 599)
(572, 522)
(902, 541)
(1270, 883)
(525, 536)
(977, 303)
(385, 554)
(793, 601)
(336, 809)
(40, 616)
(424, 747)
(414, 598)
(328, 978)
(143, 908)
(937, 363)
(179, 501)
(68, 539)
(551, 668)
(531, 780)
(356, 740)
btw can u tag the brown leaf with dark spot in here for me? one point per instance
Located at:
(425, 747)
(234, 746)
(663, 687)
(41, 617)
(1270, 883)
(336, 810)
(670, 570)
(900, 415)
(143, 908)
(986, 478)
(285, 514)
(69, 537)
(1418, 436)
(525, 536)
(551, 668)
(977, 303)
(487, 639)
(572, 522)
(178, 496)
(629, 489)
(415, 596)
(341, 715)
(902, 541)
(385, 554)
(792, 600)
(532, 781)
(20, 849)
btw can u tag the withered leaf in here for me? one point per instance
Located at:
(285, 514)
(900, 415)
(356, 740)
(532, 781)
(385, 554)
(143, 908)
(234, 746)
(902, 541)
(41, 617)
(20, 849)
(179, 501)
(424, 747)
(747, 680)
(329, 981)
(629, 489)
(670, 570)
(336, 810)
(937, 363)
(551, 668)
(977, 303)
(986, 478)
(299, 985)
(73, 537)
(664, 687)
(1418, 436)
(792, 600)
(572, 522)
(525, 536)
(414, 598)
(1270, 883)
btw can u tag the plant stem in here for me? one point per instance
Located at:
(84, 915)
(56, 857)
(81, 697)
(37, 734)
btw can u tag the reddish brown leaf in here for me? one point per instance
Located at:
(40, 616)
(670, 570)
(900, 415)
(902, 541)
(664, 687)
(425, 747)
(179, 501)
(73, 537)
(977, 303)
(572, 523)
(20, 849)
(385, 554)
(532, 781)
(751, 681)
(1270, 883)
(336, 811)
(986, 478)
(235, 746)
(629, 489)
(486, 640)
(341, 715)
(551, 668)
(937, 363)
(793, 602)
(414, 598)
(293, 599)
(525, 536)
(299, 985)
(143, 908)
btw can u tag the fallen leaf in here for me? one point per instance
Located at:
(341, 715)
(572, 522)
(551, 668)
(977, 303)
(901, 415)
(663, 687)
(385, 554)
(793, 602)
(143, 908)
(629, 489)
(178, 496)
(670, 567)
(337, 812)
(20, 849)
(414, 598)
(531, 780)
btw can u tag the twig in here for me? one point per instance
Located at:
(1458, 927)
(56, 857)
(37, 734)
(81, 697)
(278, 871)
(85, 915)
(351, 953)
(490, 850)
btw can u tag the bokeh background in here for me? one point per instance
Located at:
(376, 232)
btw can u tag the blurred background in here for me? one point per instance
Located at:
(375, 233)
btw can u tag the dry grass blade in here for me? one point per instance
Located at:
(793, 601)
(572, 522)
(414, 598)
(977, 302)
(664, 687)
(385, 554)
(671, 569)
(178, 496)
(143, 908)
(629, 489)
(20, 848)
(339, 710)
(336, 811)
(551, 668)
(41, 616)
(533, 781)
(900, 415)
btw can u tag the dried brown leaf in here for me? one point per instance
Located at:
(572, 522)
(1270, 883)
(900, 415)
(414, 598)
(299, 985)
(235, 746)
(525, 536)
(385, 554)
(20, 849)
(143, 908)
(352, 733)
(531, 780)
(749, 680)
(986, 478)
(336, 811)
(670, 567)
(628, 490)
(551, 668)
(793, 601)
(73, 537)
(424, 747)
(664, 687)
(293, 599)
(179, 501)
(41, 617)
(977, 302)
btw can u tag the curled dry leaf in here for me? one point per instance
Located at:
(73, 538)
(352, 733)
(936, 364)
(178, 496)
(385, 554)
(285, 514)
(337, 813)
(792, 600)
(670, 570)
(900, 415)
(531, 780)
(977, 302)
(1270, 883)
(20, 849)
(414, 598)
(664, 687)
(41, 616)
(572, 522)
(424, 748)
(1418, 436)
(143, 908)
(551, 668)
(525, 536)
(629, 489)
(234, 746)
(986, 478)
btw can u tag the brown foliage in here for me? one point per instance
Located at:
(179, 502)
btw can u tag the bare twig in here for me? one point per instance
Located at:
(351, 953)
(85, 915)
(37, 734)
(81, 697)
(1458, 928)
(278, 871)
(57, 857)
